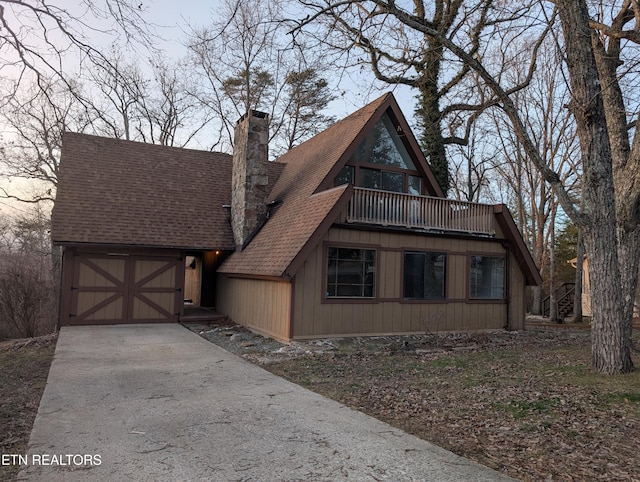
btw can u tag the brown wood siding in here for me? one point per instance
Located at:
(262, 305)
(517, 296)
(314, 316)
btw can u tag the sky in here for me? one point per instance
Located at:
(172, 20)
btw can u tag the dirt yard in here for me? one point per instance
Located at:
(524, 403)
(24, 366)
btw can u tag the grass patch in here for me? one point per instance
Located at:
(620, 398)
(24, 367)
(460, 362)
(519, 409)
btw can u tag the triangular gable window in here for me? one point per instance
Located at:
(383, 146)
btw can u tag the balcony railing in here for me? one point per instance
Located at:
(384, 208)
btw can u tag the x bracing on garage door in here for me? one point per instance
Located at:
(125, 289)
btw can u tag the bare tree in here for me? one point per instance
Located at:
(617, 149)
(245, 63)
(27, 283)
(472, 166)
(36, 37)
(127, 103)
(118, 87)
(552, 129)
(44, 47)
(116, 100)
(34, 120)
(171, 115)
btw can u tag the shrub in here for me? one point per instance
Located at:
(27, 295)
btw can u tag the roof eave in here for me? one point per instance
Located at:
(86, 244)
(519, 248)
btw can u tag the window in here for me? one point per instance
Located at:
(382, 162)
(392, 181)
(384, 146)
(424, 276)
(487, 277)
(415, 185)
(351, 273)
(383, 180)
(369, 178)
(345, 176)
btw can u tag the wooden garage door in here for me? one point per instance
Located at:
(126, 289)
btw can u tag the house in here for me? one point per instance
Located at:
(586, 289)
(346, 234)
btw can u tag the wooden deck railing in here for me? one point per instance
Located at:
(384, 208)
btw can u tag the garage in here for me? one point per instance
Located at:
(119, 287)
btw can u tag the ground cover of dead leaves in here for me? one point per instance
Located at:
(525, 403)
(24, 366)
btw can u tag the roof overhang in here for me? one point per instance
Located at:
(81, 245)
(518, 247)
(321, 230)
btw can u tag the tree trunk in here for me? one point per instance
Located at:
(539, 251)
(553, 289)
(536, 308)
(610, 341)
(577, 296)
(629, 255)
(609, 332)
(429, 114)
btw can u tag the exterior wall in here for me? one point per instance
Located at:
(193, 281)
(314, 316)
(262, 305)
(586, 289)
(516, 286)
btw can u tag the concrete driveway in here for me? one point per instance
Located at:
(157, 402)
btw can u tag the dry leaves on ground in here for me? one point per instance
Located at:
(24, 366)
(525, 403)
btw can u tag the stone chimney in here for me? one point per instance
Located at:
(249, 176)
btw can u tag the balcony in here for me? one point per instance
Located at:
(370, 206)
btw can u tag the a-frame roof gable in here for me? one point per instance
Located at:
(388, 105)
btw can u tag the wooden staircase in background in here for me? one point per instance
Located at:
(564, 300)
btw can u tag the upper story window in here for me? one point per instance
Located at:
(345, 176)
(382, 162)
(383, 146)
(415, 185)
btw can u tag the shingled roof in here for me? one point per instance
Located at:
(115, 192)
